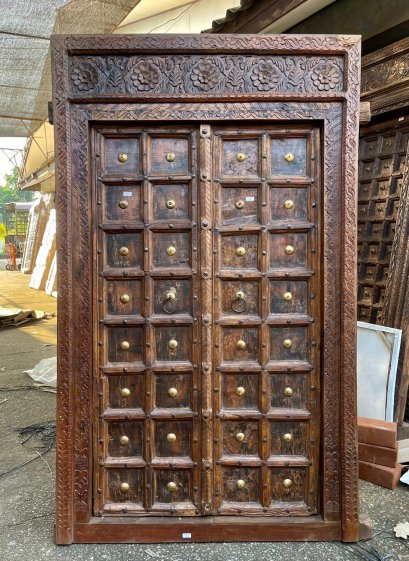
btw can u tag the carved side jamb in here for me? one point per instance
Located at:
(65, 411)
(349, 446)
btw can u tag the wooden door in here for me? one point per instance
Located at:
(206, 265)
(252, 418)
(148, 441)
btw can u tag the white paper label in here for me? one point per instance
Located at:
(249, 199)
(127, 194)
(186, 535)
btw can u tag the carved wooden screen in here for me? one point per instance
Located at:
(207, 209)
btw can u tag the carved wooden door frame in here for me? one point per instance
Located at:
(206, 79)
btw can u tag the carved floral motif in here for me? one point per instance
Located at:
(265, 76)
(205, 75)
(84, 76)
(144, 75)
(326, 76)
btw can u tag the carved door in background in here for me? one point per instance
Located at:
(207, 311)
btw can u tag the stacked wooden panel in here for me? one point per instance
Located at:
(378, 452)
(382, 155)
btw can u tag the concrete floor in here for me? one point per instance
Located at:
(27, 493)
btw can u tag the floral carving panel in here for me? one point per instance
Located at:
(179, 75)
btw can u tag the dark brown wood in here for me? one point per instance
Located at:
(177, 395)
(377, 432)
(377, 454)
(383, 184)
(385, 78)
(380, 475)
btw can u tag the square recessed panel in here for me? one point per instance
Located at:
(135, 490)
(170, 155)
(171, 249)
(288, 250)
(124, 250)
(241, 485)
(173, 390)
(289, 156)
(239, 251)
(173, 343)
(239, 205)
(240, 344)
(288, 343)
(240, 438)
(240, 297)
(132, 396)
(288, 297)
(124, 297)
(125, 344)
(172, 296)
(288, 391)
(240, 391)
(288, 438)
(172, 439)
(170, 202)
(240, 157)
(121, 156)
(288, 493)
(123, 203)
(125, 439)
(164, 492)
(289, 203)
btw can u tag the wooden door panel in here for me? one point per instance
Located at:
(239, 204)
(288, 204)
(173, 491)
(126, 439)
(172, 296)
(240, 438)
(288, 438)
(169, 155)
(241, 490)
(121, 156)
(240, 158)
(124, 297)
(284, 491)
(124, 250)
(126, 391)
(240, 391)
(172, 439)
(173, 390)
(262, 338)
(171, 249)
(288, 250)
(240, 297)
(289, 391)
(148, 280)
(289, 297)
(267, 322)
(288, 157)
(170, 202)
(123, 202)
(240, 251)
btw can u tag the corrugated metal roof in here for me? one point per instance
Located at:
(231, 14)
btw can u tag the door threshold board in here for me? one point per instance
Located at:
(164, 529)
